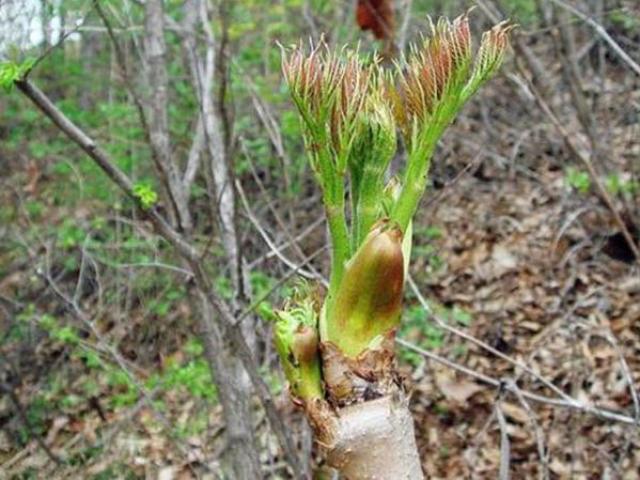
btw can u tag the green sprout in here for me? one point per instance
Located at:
(145, 193)
(351, 109)
(297, 343)
(11, 72)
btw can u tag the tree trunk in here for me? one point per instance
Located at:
(233, 384)
(374, 441)
(364, 423)
(219, 172)
(234, 394)
(155, 52)
(212, 328)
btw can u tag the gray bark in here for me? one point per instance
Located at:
(217, 149)
(233, 384)
(234, 394)
(90, 47)
(155, 52)
(202, 66)
(374, 440)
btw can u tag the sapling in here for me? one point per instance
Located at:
(338, 352)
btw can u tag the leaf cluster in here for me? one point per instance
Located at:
(351, 108)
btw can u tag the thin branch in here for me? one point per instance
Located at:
(195, 155)
(470, 338)
(601, 190)
(276, 215)
(565, 398)
(557, 402)
(278, 284)
(155, 52)
(121, 60)
(88, 145)
(600, 30)
(269, 242)
(61, 40)
(184, 249)
(505, 444)
(285, 244)
(157, 154)
(544, 460)
(626, 371)
(20, 412)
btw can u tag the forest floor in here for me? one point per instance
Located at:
(535, 268)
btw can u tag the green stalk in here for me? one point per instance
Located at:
(332, 183)
(371, 191)
(297, 342)
(310, 386)
(413, 187)
(419, 161)
(339, 242)
(355, 218)
(333, 197)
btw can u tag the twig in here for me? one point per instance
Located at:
(544, 461)
(448, 187)
(566, 400)
(444, 325)
(161, 160)
(104, 346)
(602, 32)
(278, 284)
(121, 60)
(557, 402)
(276, 215)
(270, 243)
(600, 188)
(626, 371)
(310, 228)
(505, 444)
(60, 41)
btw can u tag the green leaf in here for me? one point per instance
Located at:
(66, 334)
(10, 72)
(145, 193)
(578, 180)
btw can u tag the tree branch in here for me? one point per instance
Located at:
(185, 250)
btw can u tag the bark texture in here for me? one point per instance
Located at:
(364, 424)
(155, 52)
(234, 396)
(374, 440)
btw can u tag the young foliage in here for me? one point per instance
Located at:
(297, 343)
(362, 315)
(10, 72)
(441, 74)
(351, 109)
